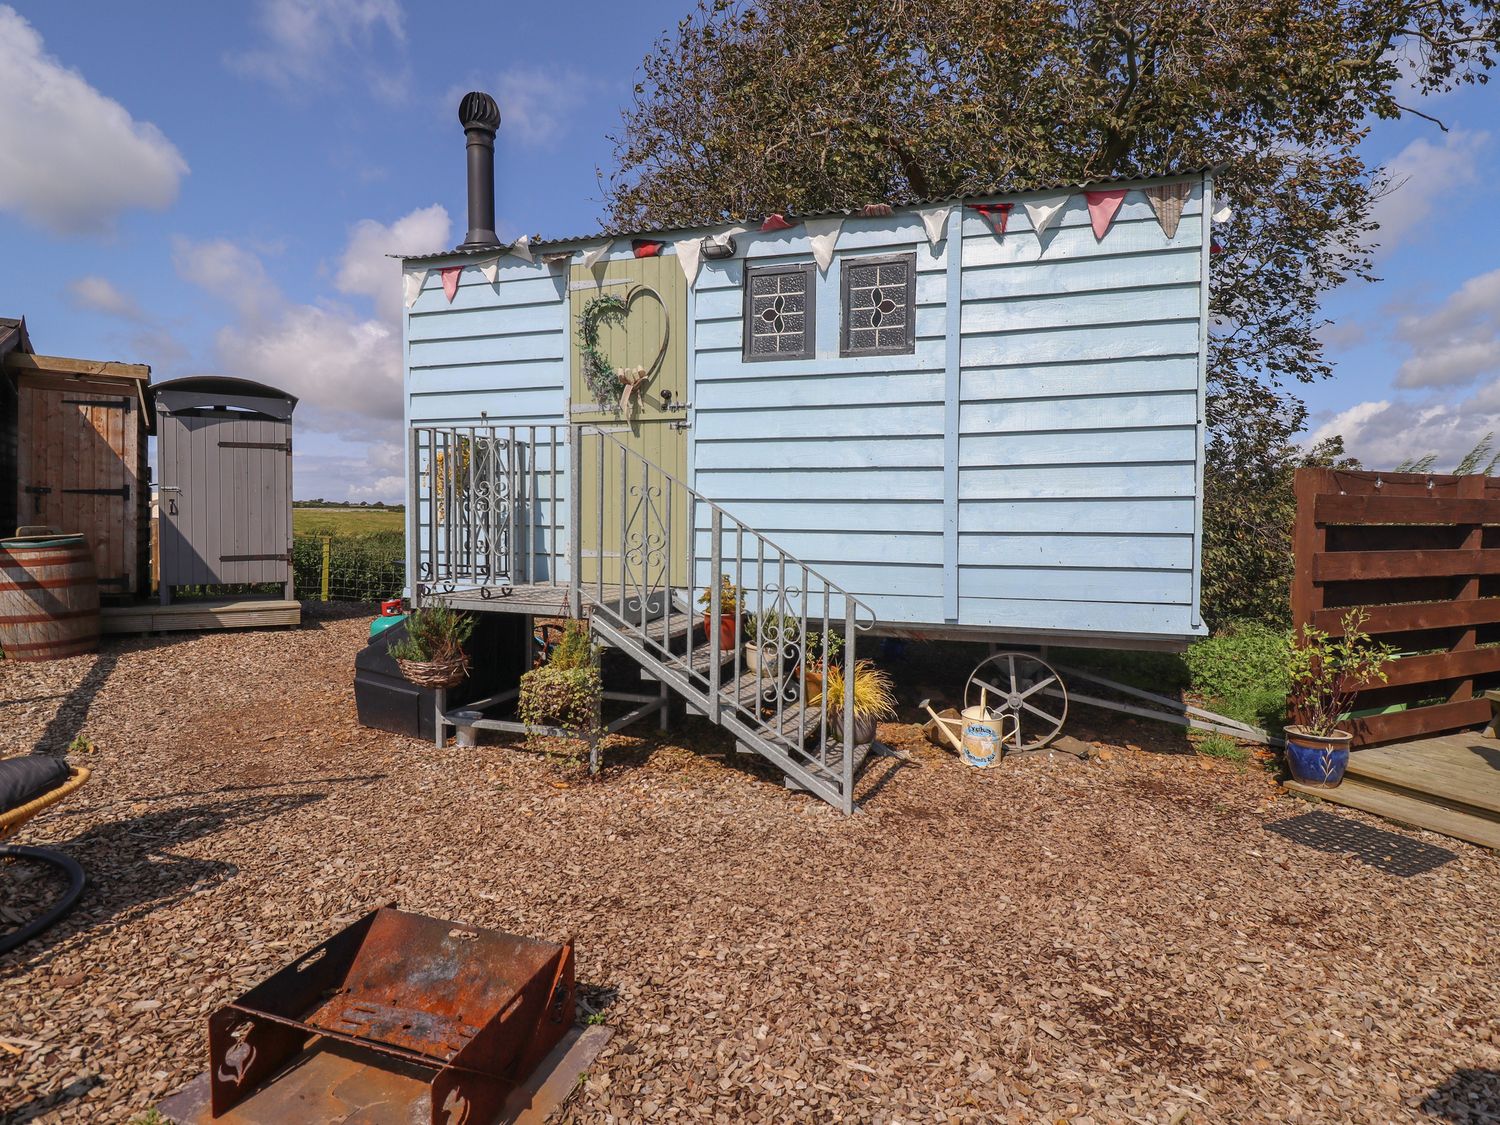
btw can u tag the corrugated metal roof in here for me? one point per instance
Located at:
(575, 240)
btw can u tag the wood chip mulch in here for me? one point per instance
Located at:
(1136, 937)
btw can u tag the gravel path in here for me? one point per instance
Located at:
(1143, 937)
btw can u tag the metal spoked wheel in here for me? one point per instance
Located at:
(1025, 689)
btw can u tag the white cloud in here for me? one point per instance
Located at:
(1421, 175)
(1383, 434)
(365, 268)
(71, 159)
(1456, 343)
(536, 103)
(228, 271)
(341, 363)
(99, 294)
(306, 38)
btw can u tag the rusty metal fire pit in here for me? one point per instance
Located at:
(475, 1009)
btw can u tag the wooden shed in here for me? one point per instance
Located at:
(73, 455)
(225, 486)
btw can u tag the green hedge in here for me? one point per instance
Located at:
(362, 568)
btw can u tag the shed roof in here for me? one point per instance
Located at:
(13, 336)
(576, 240)
(224, 385)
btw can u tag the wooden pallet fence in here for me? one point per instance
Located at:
(1420, 554)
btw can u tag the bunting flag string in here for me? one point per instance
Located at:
(998, 214)
(560, 258)
(1045, 210)
(688, 251)
(775, 223)
(450, 280)
(412, 282)
(1224, 214)
(876, 211)
(1167, 201)
(824, 236)
(521, 247)
(935, 219)
(646, 247)
(490, 269)
(592, 255)
(1103, 205)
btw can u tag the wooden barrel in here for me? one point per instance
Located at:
(49, 597)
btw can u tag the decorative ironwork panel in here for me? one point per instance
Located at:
(779, 312)
(879, 305)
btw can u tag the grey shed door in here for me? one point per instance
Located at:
(225, 499)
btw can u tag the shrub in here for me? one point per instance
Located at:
(1241, 671)
(1215, 745)
(567, 691)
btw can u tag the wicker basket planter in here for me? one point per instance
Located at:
(435, 673)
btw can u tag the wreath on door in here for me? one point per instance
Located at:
(613, 386)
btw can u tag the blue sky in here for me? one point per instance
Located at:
(213, 188)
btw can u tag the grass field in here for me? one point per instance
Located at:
(345, 521)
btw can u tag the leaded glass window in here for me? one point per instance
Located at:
(779, 312)
(879, 305)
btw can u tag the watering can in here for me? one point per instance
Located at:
(978, 735)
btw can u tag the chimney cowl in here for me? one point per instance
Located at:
(480, 117)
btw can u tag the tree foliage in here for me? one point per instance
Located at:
(754, 106)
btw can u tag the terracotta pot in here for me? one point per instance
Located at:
(1317, 760)
(726, 630)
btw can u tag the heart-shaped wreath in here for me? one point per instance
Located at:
(613, 386)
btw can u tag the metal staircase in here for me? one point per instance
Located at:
(643, 552)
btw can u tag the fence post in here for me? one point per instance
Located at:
(327, 540)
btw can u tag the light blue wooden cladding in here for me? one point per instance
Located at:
(1032, 465)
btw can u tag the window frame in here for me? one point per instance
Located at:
(911, 304)
(809, 311)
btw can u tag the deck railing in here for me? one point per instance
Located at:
(487, 507)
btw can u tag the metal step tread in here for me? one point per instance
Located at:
(1408, 809)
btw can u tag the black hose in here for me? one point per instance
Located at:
(59, 910)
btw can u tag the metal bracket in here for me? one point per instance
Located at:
(106, 404)
(123, 492)
(279, 446)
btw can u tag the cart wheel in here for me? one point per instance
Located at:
(1025, 689)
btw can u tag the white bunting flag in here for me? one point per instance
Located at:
(824, 236)
(411, 285)
(1045, 210)
(1167, 201)
(490, 269)
(592, 255)
(935, 219)
(1223, 214)
(521, 247)
(688, 251)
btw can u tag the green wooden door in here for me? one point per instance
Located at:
(645, 428)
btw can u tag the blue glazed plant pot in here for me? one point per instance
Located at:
(1317, 760)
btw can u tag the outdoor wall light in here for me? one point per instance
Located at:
(715, 250)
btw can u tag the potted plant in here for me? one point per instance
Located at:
(432, 652)
(1323, 674)
(874, 700)
(821, 649)
(565, 691)
(729, 601)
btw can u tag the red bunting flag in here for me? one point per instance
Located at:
(775, 223)
(646, 247)
(450, 280)
(997, 213)
(1102, 208)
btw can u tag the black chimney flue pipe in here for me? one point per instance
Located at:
(480, 117)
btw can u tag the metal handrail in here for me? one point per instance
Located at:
(652, 576)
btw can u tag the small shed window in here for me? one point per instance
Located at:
(779, 312)
(880, 296)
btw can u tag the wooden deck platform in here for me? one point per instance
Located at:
(1448, 784)
(229, 613)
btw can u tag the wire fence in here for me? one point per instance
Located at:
(361, 568)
